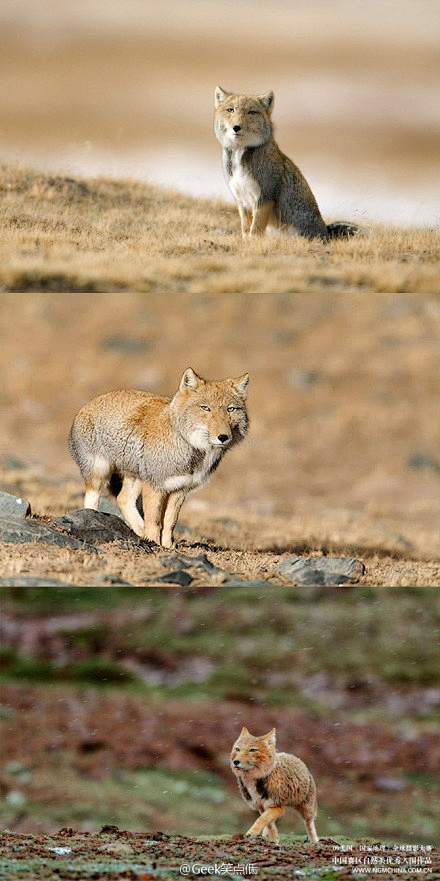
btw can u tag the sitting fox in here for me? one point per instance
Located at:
(269, 189)
(270, 782)
(132, 442)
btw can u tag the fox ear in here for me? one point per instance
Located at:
(220, 95)
(267, 101)
(190, 379)
(241, 385)
(244, 732)
(271, 737)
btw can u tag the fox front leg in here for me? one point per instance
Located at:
(265, 819)
(171, 513)
(246, 220)
(270, 833)
(154, 502)
(262, 216)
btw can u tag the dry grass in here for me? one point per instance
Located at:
(70, 234)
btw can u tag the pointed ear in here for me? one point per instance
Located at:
(190, 380)
(244, 732)
(220, 95)
(267, 101)
(241, 385)
(271, 737)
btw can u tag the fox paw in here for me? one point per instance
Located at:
(251, 834)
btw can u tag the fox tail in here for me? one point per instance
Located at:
(341, 229)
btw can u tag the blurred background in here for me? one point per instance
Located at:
(120, 706)
(125, 87)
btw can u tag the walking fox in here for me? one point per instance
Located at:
(270, 782)
(131, 442)
(269, 188)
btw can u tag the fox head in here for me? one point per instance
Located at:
(254, 756)
(242, 121)
(211, 415)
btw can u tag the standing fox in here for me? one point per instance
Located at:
(270, 782)
(162, 447)
(268, 188)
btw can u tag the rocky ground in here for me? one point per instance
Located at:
(91, 531)
(112, 854)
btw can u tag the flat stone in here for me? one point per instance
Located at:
(328, 571)
(18, 530)
(97, 527)
(240, 582)
(14, 505)
(199, 562)
(31, 581)
(178, 577)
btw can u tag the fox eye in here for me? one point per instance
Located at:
(231, 408)
(202, 407)
(253, 112)
(229, 109)
(253, 749)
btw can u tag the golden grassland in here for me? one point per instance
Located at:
(63, 233)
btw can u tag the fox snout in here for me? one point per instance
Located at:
(221, 440)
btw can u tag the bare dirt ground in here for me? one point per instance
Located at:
(111, 854)
(342, 452)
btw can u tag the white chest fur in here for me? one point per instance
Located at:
(198, 478)
(243, 185)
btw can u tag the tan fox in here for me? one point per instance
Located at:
(128, 442)
(270, 782)
(269, 189)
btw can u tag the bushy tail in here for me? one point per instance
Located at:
(341, 229)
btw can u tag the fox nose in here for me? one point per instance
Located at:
(236, 128)
(236, 761)
(223, 438)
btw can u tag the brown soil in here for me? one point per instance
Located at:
(146, 856)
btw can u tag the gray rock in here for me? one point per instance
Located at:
(127, 345)
(199, 562)
(97, 527)
(17, 530)
(300, 378)
(423, 460)
(11, 463)
(178, 577)
(239, 582)
(329, 571)
(14, 505)
(31, 581)
(112, 578)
